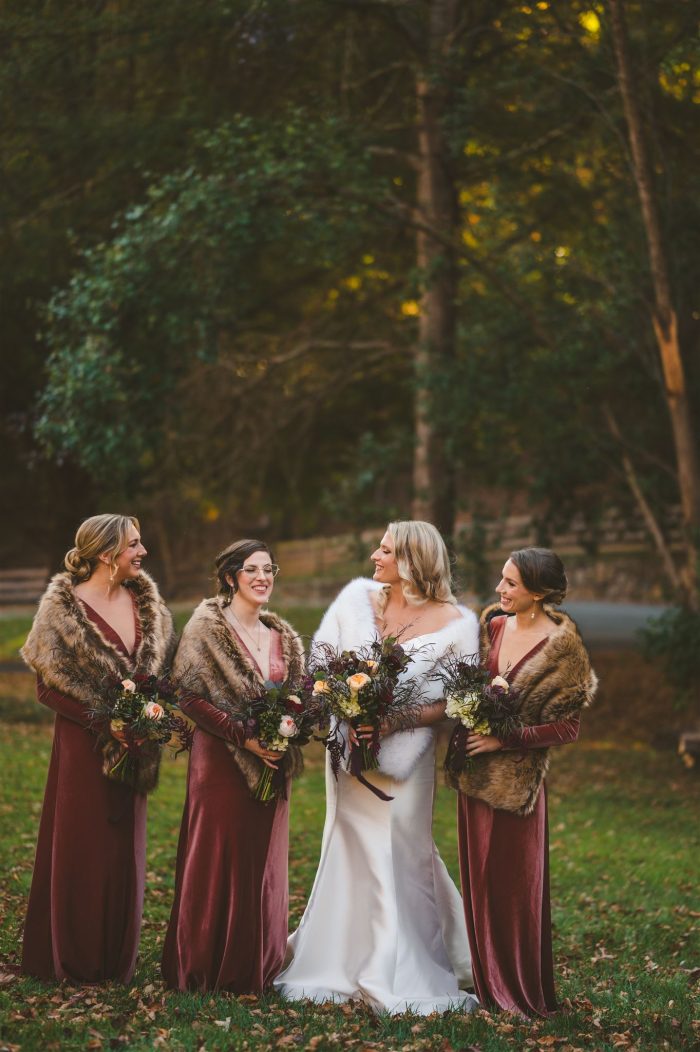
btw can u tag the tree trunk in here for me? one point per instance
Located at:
(664, 316)
(433, 472)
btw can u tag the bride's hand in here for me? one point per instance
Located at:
(269, 757)
(478, 743)
(364, 733)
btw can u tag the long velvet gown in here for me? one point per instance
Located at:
(228, 926)
(504, 864)
(86, 899)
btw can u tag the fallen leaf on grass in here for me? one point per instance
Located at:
(225, 1024)
(601, 954)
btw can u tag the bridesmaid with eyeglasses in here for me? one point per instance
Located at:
(228, 926)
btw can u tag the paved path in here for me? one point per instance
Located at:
(611, 624)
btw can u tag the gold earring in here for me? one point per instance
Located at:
(534, 611)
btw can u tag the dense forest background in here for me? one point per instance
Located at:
(289, 268)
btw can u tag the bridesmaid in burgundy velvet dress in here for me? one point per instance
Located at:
(84, 913)
(502, 809)
(228, 926)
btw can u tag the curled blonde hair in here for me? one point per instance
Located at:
(95, 536)
(423, 564)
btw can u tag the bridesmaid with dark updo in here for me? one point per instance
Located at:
(503, 835)
(228, 926)
(102, 618)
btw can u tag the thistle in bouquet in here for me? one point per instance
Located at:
(280, 720)
(136, 718)
(363, 688)
(481, 702)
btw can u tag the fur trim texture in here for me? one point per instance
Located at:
(554, 684)
(210, 663)
(349, 623)
(73, 657)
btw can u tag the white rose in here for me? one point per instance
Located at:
(128, 685)
(287, 727)
(499, 681)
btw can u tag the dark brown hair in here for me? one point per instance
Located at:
(231, 560)
(542, 572)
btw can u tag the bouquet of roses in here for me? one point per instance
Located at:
(279, 719)
(483, 704)
(363, 688)
(136, 718)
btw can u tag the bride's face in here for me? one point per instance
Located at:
(385, 568)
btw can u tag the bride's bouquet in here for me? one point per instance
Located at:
(136, 720)
(279, 718)
(363, 688)
(483, 704)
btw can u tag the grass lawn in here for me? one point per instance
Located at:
(624, 860)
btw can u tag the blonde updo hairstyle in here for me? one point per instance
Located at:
(423, 564)
(96, 536)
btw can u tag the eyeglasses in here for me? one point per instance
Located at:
(252, 572)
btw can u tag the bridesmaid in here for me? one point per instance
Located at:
(502, 808)
(228, 926)
(103, 616)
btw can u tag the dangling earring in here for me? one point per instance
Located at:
(534, 611)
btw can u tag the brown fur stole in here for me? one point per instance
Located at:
(554, 684)
(73, 657)
(210, 663)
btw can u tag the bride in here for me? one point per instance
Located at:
(384, 923)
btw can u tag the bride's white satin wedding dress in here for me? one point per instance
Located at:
(384, 923)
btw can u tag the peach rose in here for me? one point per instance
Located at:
(321, 687)
(373, 666)
(154, 711)
(358, 681)
(128, 685)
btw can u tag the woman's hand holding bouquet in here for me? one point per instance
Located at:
(485, 705)
(274, 720)
(136, 720)
(362, 691)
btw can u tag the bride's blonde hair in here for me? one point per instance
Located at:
(423, 565)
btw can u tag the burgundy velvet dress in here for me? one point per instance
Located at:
(86, 899)
(228, 926)
(504, 865)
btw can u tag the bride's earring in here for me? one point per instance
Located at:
(534, 611)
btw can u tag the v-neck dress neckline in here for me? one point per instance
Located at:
(509, 674)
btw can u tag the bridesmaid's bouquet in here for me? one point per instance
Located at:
(279, 718)
(482, 703)
(136, 718)
(363, 688)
